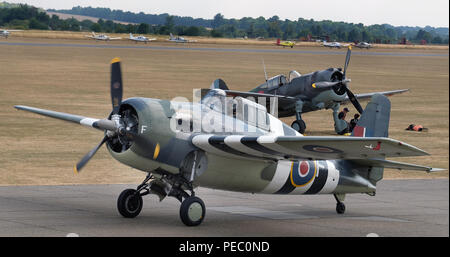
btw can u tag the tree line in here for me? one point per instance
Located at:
(29, 17)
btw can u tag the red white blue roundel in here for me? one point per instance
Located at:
(302, 173)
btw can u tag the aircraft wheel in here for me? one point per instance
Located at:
(340, 208)
(299, 126)
(192, 211)
(129, 203)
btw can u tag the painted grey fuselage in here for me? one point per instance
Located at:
(231, 169)
(301, 88)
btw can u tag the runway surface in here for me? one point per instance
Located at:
(245, 50)
(400, 208)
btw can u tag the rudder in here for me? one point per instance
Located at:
(374, 120)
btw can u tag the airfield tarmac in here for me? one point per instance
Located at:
(401, 208)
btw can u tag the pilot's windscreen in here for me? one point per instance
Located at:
(214, 100)
(293, 74)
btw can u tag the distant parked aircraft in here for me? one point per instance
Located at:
(103, 37)
(140, 39)
(5, 33)
(179, 39)
(285, 43)
(363, 45)
(333, 44)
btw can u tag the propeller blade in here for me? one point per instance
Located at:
(328, 84)
(77, 168)
(347, 59)
(354, 100)
(116, 85)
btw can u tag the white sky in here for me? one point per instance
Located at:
(395, 12)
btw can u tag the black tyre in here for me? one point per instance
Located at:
(129, 203)
(340, 208)
(299, 126)
(192, 211)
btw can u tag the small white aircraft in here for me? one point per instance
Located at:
(140, 39)
(363, 45)
(103, 37)
(5, 33)
(179, 39)
(333, 44)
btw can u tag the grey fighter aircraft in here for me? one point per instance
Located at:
(173, 143)
(298, 94)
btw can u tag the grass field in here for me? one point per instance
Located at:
(40, 150)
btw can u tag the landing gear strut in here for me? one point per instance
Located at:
(299, 125)
(340, 206)
(192, 209)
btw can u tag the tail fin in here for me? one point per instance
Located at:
(374, 120)
(278, 41)
(171, 36)
(219, 84)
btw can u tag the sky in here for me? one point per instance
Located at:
(395, 12)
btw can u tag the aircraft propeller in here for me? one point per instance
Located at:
(350, 95)
(118, 127)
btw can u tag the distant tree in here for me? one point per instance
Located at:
(143, 28)
(35, 24)
(217, 21)
(170, 23)
(96, 27)
(423, 35)
(216, 33)
(354, 35)
(192, 31)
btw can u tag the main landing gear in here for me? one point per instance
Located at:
(299, 125)
(192, 209)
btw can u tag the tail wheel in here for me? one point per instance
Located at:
(192, 211)
(340, 208)
(129, 203)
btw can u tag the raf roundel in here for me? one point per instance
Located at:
(303, 173)
(304, 169)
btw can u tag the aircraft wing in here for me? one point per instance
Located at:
(303, 147)
(254, 94)
(101, 124)
(367, 96)
(115, 38)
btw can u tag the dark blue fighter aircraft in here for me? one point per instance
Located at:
(299, 94)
